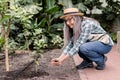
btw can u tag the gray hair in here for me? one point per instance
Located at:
(75, 31)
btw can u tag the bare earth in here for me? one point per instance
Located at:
(44, 71)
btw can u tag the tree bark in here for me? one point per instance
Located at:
(6, 53)
(7, 47)
(2, 31)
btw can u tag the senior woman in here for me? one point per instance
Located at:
(86, 37)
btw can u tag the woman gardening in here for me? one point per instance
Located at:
(86, 37)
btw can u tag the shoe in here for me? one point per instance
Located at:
(85, 64)
(101, 67)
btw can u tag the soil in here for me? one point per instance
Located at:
(43, 71)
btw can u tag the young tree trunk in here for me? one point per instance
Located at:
(2, 31)
(7, 47)
(5, 35)
(6, 53)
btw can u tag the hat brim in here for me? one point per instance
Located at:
(74, 14)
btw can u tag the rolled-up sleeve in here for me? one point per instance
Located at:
(68, 47)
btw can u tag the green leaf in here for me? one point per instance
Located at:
(32, 9)
(2, 41)
(81, 7)
(5, 18)
(110, 17)
(42, 22)
(59, 25)
(52, 10)
(50, 4)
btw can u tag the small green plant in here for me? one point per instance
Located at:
(36, 55)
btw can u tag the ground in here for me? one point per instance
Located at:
(20, 68)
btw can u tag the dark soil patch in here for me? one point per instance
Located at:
(44, 71)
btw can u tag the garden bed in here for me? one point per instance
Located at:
(22, 67)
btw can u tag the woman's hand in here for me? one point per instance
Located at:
(56, 62)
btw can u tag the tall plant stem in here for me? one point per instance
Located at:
(6, 53)
(6, 47)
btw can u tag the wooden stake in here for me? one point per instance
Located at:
(6, 53)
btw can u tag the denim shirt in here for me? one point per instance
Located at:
(87, 27)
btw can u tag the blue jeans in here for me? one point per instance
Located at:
(94, 51)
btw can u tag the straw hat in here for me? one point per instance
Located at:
(71, 11)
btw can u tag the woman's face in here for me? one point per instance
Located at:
(69, 21)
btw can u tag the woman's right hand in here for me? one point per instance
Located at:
(56, 62)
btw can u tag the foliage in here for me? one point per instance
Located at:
(49, 14)
(37, 23)
(57, 41)
(112, 10)
(2, 42)
(65, 3)
(20, 11)
(111, 13)
(35, 29)
(22, 14)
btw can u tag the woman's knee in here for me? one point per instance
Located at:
(84, 49)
